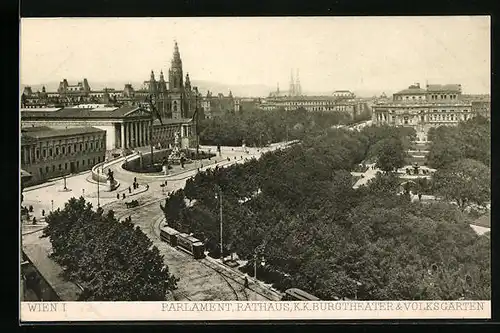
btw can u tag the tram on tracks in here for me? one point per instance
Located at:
(191, 245)
(183, 242)
(169, 235)
(295, 294)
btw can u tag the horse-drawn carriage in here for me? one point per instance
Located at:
(132, 204)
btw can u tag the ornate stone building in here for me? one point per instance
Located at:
(175, 99)
(424, 108)
(48, 152)
(122, 114)
(126, 127)
(216, 106)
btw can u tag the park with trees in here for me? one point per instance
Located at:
(295, 215)
(256, 127)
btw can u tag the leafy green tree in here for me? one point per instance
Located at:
(464, 181)
(110, 259)
(391, 155)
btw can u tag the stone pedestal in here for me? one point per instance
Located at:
(109, 185)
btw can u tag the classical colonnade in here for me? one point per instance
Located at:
(134, 134)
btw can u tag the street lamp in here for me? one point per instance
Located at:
(219, 196)
(52, 204)
(98, 204)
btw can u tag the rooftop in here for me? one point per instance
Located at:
(483, 221)
(50, 132)
(412, 91)
(38, 250)
(80, 112)
(444, 87)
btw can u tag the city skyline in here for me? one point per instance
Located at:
(377, 53)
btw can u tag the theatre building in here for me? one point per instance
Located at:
(423, 109)
(47, 153)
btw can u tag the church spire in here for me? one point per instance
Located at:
(298, 88)
(177, 56)
(152, 79)
(292, 85)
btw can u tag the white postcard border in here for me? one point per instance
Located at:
(216, 311)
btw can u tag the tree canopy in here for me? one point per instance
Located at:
(298, 210)
(111, 260)
(256, 127)
(464, 181)
(470, 139)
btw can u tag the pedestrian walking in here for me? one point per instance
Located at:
(123, 195)
(34, 220)
(135, 180)
(118, 195)
(43, 212)
(129, 190)
(246, 282)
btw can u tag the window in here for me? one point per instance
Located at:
(91, 145)
(88, 161)
(50, 151)
(44, 153)
(60, 167)
(83, 162)
(57, 150)
(41, 171)
(77, 164)
(86, 146)
(63, 150)
(37, 154)
(98, 159)
(81, 147)
(74, 147)
(47, 169)
(65, 166)
(53, 168)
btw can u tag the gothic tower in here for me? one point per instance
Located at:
(176, 86)
(162, 94)
(291, 91)
(298, 88)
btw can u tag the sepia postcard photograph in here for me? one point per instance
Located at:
(254, 168)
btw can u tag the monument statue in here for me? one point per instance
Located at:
(176, 140)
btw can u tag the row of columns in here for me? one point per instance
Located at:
(135, 134)
(28, 154)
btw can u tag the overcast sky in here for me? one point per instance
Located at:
(355, 53)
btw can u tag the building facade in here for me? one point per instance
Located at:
(216, 106)
(175, 98)
(125, 116)
(353, 107)
(423, 109)
(47, 153)
(126, 127)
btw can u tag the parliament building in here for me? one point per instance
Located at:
(124, 115)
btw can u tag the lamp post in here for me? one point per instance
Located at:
(65, 188)
(98, 204)
(219, 196)
(52, 205)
